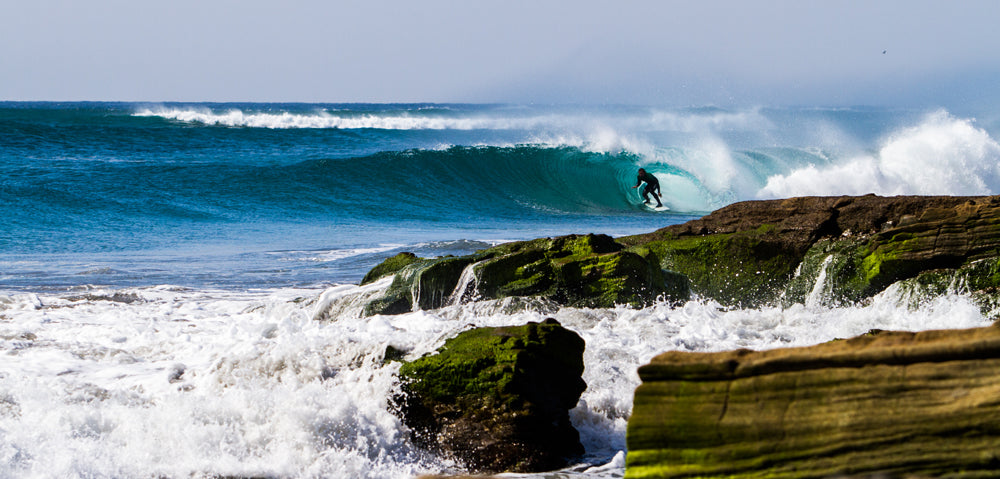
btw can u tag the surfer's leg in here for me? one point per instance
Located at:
(649, 191)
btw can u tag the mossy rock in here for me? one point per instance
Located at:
(745, 255)
(424, 283)
(745, 269)
(940, 238)
(829, 274)
(925, 262)
(498, 399)
(979, 279)
(583, 271)
(574, 270)
(389, 266)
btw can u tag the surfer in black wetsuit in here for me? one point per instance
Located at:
(652, 187)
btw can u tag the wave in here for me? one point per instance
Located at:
(485, 118)
(324, 119)
(501, 181)
(943, 155)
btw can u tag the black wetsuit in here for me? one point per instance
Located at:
(652, 187)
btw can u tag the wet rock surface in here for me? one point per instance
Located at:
(498, 399)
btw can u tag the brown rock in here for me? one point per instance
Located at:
(893, 404)
(803, 220)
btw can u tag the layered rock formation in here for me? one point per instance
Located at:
(498, 399)
(761, 252)
(882, 405)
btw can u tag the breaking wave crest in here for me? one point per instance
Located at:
(943, 155)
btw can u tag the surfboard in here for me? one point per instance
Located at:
(656, 208)
(650, 205)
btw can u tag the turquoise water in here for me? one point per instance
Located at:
(248, 195)
(143, 197)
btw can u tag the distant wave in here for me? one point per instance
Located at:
(443, 119)
(323, 119)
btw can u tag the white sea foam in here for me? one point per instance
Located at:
(579, 122)
(322, 119)
(943, 155)
(333, 255)
(181, 383)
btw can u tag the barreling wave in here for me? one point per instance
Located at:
(708, 157)
(580, 172)
(487, 180)
(449, 184)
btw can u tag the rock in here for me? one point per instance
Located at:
(585, 271)
(888, 404)
(498, 399)
(937, 238)
(575, 270)
(389, 266)
(803, 220)
(950, 246)
(419, 284)
(744, 268)
(747, 254)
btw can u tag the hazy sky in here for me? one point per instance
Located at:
(738, 52)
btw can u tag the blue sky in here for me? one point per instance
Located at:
(672, 53)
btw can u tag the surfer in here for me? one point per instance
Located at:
(652, 187)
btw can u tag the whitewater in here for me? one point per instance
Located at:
(166, 269)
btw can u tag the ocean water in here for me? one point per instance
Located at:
(163, 266)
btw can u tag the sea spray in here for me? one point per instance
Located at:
(819, 293)
(186, 382)
(943, 155)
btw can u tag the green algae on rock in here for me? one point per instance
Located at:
(938, 251)
(747, 254)
(892, 404)
(498, 399)
(590, 271)
(762, 252)
(574, 270)
(746, 268)
(389, 266)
